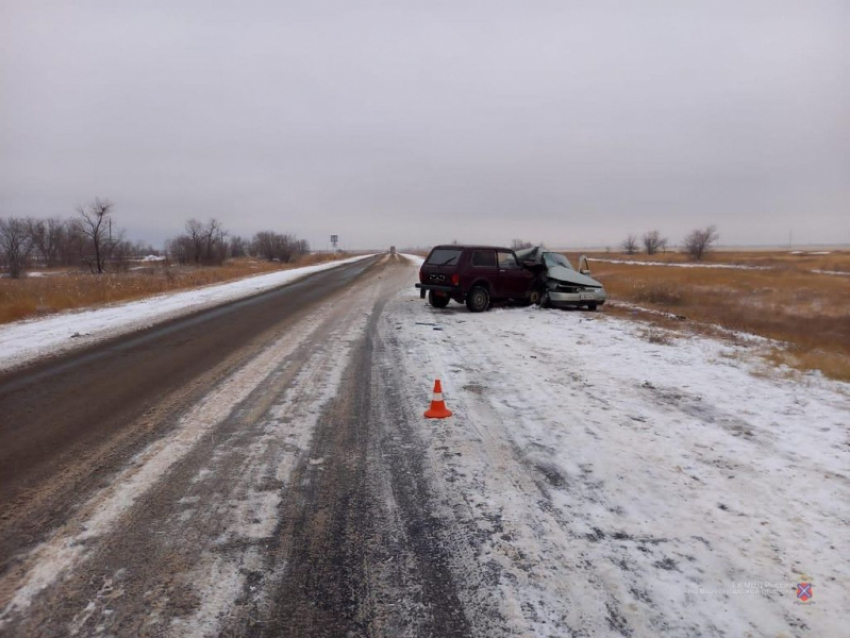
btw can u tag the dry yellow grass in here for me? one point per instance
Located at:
(809, 312)
(59, 290)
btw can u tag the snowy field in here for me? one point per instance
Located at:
(634, 262)
(24, 341)
(620, 487)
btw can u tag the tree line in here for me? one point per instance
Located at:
(208, 244)
(88, 240)
(91, 240)
(696, 243)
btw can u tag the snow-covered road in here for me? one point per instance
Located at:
(616, 486)
(265, 469)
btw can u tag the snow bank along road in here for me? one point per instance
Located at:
(263, 469)
(25, 341)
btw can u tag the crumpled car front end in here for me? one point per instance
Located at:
(565, 294)
(559, 284)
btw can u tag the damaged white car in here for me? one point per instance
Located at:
(558, 284)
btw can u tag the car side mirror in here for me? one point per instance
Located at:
(583, 266)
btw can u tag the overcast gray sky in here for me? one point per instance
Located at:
(425, 121)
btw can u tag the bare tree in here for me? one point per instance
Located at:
(195, 233)
(630, 245)
(215, 249)
(288, 248)
(264, 245)
(120, 253)
(180, 249)
(72, 247)
(204, 241)
(142, 248)
(47, 237)
(276, 246)
(15, 245)
(653, 242)
(519, 244)
(95, 223)
(238, 246)
(700, 241)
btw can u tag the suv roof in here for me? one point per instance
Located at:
(464, 246)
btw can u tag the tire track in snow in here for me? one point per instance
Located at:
(357, 541)
(621, 459)
(510, 554)
(286, 432)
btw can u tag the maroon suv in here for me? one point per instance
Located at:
(474, 275)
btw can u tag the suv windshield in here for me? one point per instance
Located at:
(444, 257)
(556, 259)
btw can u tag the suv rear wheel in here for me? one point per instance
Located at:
(438, 301)
(478, 299)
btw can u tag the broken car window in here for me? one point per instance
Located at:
(556, 259)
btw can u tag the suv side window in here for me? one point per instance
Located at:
(483, 259)
(507, 260)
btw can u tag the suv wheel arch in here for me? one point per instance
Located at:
(478, 299)
(483, 283)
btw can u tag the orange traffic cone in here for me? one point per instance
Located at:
(438, 408)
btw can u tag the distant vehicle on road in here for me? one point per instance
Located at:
(474, 275)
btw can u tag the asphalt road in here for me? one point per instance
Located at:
(242, 471)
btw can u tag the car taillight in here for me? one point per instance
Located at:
(455, 279)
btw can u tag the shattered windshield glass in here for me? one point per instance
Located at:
(556, 259)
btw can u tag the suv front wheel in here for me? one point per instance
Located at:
(478, 299)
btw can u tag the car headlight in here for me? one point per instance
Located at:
(567, 288)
